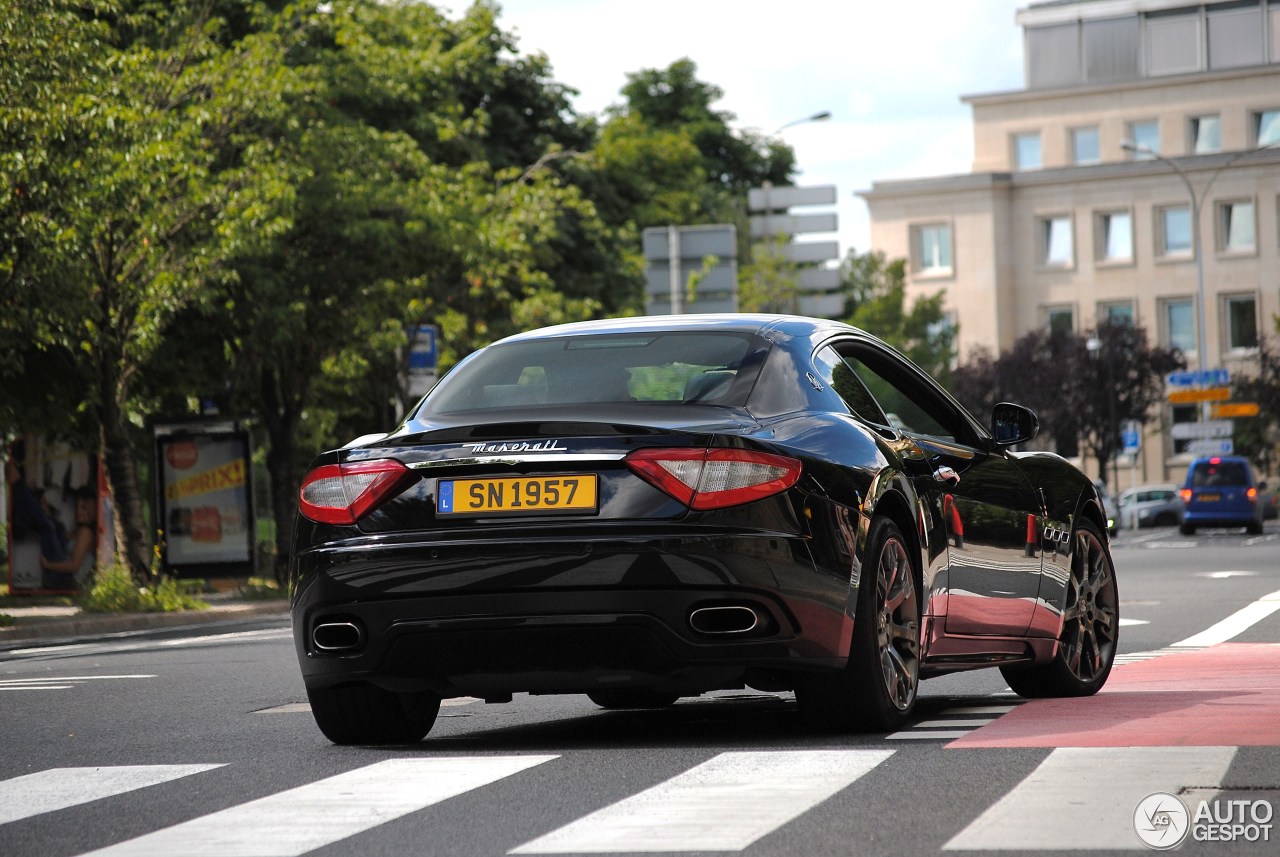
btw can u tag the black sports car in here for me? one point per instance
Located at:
(644, 509)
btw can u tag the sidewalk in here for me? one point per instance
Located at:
(50, 623)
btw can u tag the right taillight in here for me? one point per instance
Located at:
(1185, 494)
(715, 478)
(343, 493)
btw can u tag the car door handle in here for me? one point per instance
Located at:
(947, 476)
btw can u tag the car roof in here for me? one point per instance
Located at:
(752, 323)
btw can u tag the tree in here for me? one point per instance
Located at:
(875, 300)
(146, 136)
(1258, 437)
(1080, 397)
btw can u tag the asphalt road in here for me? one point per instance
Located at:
(200, 743)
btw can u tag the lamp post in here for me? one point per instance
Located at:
(1094, 346)
(1197, 200)
(820, 116)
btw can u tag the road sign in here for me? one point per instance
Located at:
(1227, 410)
(1201, 378)
(1201, 431)
(770, 198)
(1131, 438)
(1211, 447)
(1211, 394)
(718, 290)
(792, 224)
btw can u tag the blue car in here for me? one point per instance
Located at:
(1222, 491)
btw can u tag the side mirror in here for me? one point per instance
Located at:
(1012, 424)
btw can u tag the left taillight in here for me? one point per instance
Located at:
(343, 493)
(715, 478)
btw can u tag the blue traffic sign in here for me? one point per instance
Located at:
(1199, 378)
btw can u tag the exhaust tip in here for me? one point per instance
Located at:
(337, 636)
(730, 619)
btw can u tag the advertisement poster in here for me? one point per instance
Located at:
(56, 514)
(204, 508)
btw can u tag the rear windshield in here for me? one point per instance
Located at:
(1206, 474)
(712, 368)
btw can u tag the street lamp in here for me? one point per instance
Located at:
(821, 116)
(1094, 346)
(1197, 200)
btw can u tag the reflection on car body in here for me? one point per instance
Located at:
(645, 509)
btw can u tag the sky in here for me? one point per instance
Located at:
(891, 73)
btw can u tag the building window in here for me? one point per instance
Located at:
(1115, 236)
(1240, 317)
(1266, 127)
(1055, 241)
(1085, 147)
(1235, 36)
(931, 244)
(1236, 231)
(1026, 151)
(1206, 135)
(1144, 135)
(1173, 43)
(1117, 313)
(1180, 325)
(1060, 319)
(1174, 225)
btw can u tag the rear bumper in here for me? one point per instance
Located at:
(487, 619)
(1221, 517)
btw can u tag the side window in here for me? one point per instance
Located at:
(907, 402)
(836, 374)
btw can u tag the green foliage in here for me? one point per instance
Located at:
(1259, 437)
(261, 589)
(875, 300)
(114, 591)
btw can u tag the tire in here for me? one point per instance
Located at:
(632, 698)
(365, 714)
(1187, 529)
(877, 691)
(1254, 528)
(1090, 626)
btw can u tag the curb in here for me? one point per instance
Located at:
(89, 625)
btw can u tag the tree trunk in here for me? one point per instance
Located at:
(133, 547)
(281, 422)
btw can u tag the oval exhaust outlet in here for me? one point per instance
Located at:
(724, 620)
(337, 636)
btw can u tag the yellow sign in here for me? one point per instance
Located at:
(229, 475)
(1234, 409)
(1212, 394)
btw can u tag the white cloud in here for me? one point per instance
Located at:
(892, 74)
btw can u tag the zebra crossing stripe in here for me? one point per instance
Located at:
(303, 819)
(1103, 785)
(724, 804)
(60, 788)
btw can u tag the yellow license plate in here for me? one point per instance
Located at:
(575, 493)
(1209, 498)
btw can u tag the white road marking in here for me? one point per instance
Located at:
(60, 788)
(303, 819)
(1224, 575)
(1124, 622)
(1235, 624)
(58, 682)
(1103, 785)
(724, 804)
(953, 724)
(929, 735)
(981, 709)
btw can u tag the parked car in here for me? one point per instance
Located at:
(1150, 506)
(1222, 491)
(649, 508)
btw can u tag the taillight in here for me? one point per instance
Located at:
(716, 478)
(1252, 494)
(343, 493)
(1185, 494)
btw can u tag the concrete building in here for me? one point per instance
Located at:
(1140, 120)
